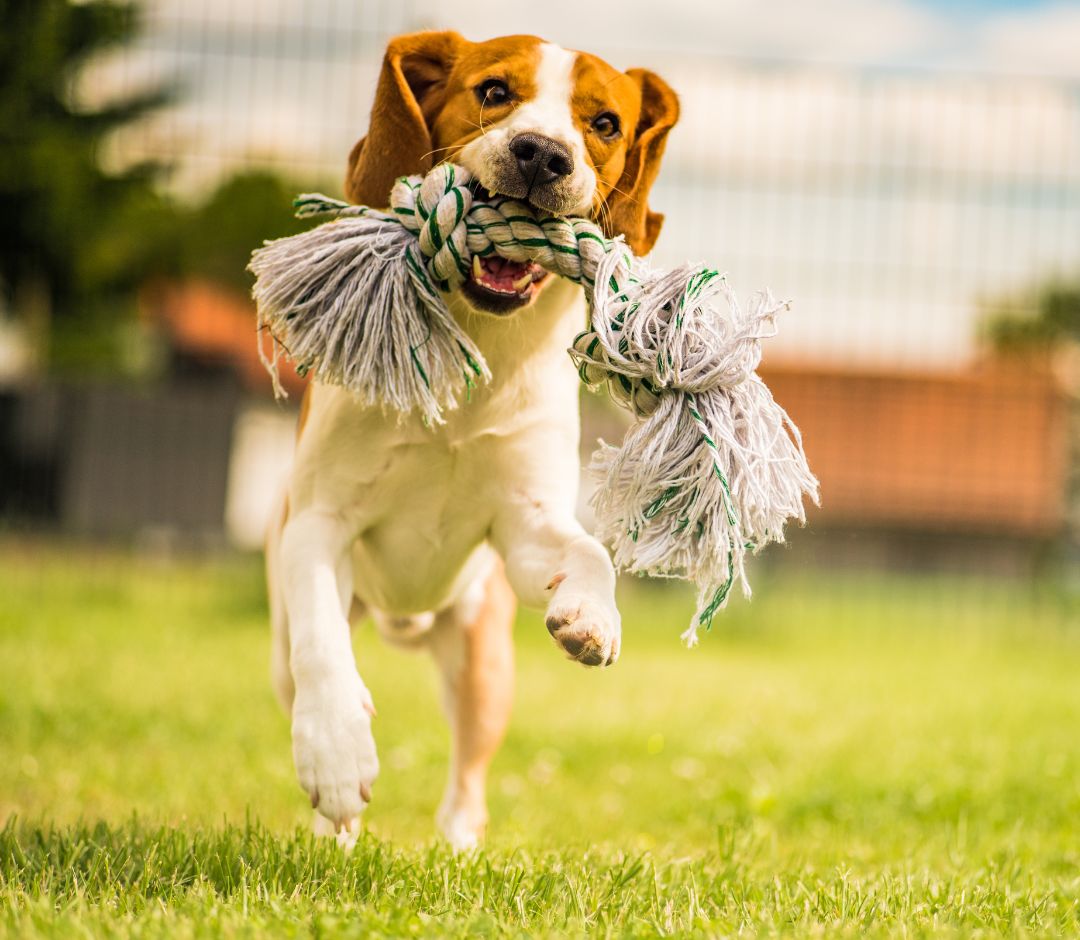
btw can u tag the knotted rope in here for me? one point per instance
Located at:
(713, 468)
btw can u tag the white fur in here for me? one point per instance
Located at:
(548, 113)
(402, 518)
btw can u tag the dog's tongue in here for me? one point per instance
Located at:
(505, 276)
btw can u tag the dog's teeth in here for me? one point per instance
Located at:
(477, 269)
(522, 282)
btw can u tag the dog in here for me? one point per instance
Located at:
(437, 532)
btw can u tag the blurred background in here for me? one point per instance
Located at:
(902, 688)
(907, 172)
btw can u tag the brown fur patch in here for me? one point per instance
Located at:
(426, 107)
(627, 167)
(461, 116)
(600, 88)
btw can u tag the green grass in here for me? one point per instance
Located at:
(841, 756)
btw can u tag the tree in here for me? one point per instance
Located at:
(218, 236)
(70, 257)
(1047, 318)
(1046, 322)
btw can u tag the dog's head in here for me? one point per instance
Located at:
(561, 130)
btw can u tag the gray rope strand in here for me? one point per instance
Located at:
(713, 468)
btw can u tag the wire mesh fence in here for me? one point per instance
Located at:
(897, 208)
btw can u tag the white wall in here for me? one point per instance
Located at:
(262, 453)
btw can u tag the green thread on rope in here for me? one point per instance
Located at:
(657, 504)
(705, 618)
(729, 503)
(418, 364)
(313, 204)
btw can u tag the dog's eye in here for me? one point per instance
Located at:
(606, 125)
(493, 91)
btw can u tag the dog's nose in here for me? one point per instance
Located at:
(541, 159)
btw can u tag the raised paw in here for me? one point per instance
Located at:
(333, 747)
(589, 631)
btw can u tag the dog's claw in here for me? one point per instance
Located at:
(365, 792)
(555, 582)
(315, 800)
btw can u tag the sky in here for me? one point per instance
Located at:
(997, 35)
(885, 164)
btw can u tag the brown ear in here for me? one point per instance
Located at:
(409, 93)
(628, 212)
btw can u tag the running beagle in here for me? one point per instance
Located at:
(437, 532)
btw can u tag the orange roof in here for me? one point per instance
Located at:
(216, 325)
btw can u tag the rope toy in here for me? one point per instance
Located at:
(713, 467)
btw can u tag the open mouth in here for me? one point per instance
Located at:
(498, 285)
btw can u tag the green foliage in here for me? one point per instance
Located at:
(846, 756)
(67, 221)
(218, 236)
(79, 238)
(159, 237)
(1044, 318)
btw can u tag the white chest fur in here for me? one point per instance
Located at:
(419, 501)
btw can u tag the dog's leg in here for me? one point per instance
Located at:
(333, 747)
(280, 674)
(472, 644)
(280, 671)
(551, 559)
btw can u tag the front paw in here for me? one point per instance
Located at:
(333, 747)
(589, 630)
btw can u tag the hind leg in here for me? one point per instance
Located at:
(280, 674)
(472, 644)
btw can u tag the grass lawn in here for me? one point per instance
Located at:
(898, 756)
